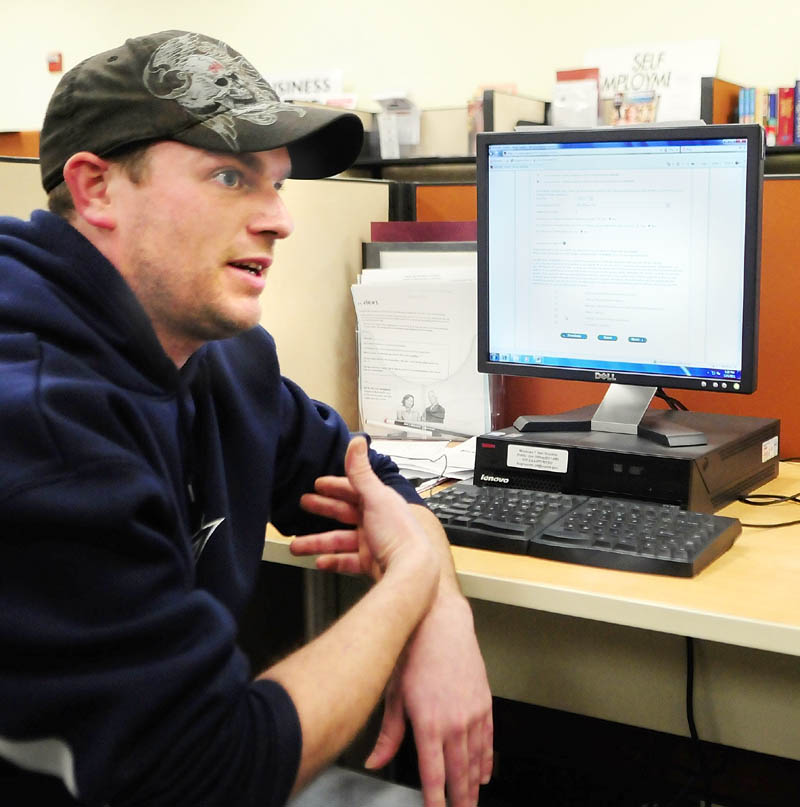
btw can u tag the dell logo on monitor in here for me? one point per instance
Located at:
(605, 377)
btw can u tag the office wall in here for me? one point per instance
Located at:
(439, 51)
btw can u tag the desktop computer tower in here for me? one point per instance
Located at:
(740, 455)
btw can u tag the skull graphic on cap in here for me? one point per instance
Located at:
(214, 84)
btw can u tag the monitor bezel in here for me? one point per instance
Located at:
(754, 135)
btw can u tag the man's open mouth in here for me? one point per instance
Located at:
(248, 266)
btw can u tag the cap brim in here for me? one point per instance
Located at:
(321, 142)
(331, 146)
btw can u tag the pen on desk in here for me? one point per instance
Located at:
(438, 430)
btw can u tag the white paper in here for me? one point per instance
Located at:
(415, 459)
(672, 69)
(461, 457)
(418, 359)
(433, 460)
(457, 274)
(402, 259)
(398, 124)
(388, 135)
(574, 103)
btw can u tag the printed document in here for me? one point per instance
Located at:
(417, 347)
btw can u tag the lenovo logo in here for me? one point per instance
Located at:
(605, 377)
(488, 478)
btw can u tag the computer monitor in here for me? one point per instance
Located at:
(626, 255)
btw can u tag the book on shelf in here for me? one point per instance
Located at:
(777, 110)
(785, 116)
(797, 112)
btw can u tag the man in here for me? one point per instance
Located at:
(434, 412)
(147, 439)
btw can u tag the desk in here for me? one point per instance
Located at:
(609, 644)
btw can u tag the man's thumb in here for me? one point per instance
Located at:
(356, 464)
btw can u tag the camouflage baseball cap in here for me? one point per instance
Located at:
(176, 85)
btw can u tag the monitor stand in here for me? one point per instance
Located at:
(623, 410)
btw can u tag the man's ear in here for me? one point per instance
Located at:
(86, 176)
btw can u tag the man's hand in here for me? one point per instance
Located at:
(336, 680)
(440, 681)
(383, 525)
(441, 686)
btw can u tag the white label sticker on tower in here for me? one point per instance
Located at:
(536, 458)
(769, 449)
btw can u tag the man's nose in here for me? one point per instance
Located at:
(272, 216)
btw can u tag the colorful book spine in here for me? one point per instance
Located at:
(785, 116)
(797, 112)
(778, 111)
(747, 105)
(771, 122)
(759, 110)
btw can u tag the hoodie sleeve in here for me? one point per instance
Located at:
(313, 444)
(119, 677)
(285, 435)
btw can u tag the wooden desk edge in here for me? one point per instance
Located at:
(619, 610)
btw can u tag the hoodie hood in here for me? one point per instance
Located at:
(64, 289)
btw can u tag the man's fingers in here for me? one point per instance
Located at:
(348, 563)
(475, 740)
(325, 543)
(457, 772)
(431, 769)
(336, 487)
(487, 761)
(340, 511)
(356, 466)
(393, 728)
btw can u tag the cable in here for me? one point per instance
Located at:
(753, 499)
(771, 526)
(766, 499)
(690, 688)
(769, 499)
(672, 403)
(702, 766)
(428, 483)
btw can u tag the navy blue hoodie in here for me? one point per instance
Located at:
(133, 504)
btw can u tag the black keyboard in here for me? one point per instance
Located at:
(613, 533)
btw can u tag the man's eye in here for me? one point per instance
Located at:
(230, 178)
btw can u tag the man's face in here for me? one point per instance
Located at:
(195, 239)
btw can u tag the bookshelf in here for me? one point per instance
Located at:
(719, 103)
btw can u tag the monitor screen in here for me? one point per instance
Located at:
(627, 255)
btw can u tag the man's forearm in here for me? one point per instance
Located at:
(337, 679)
(436, 533)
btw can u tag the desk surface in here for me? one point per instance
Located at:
(749, 597)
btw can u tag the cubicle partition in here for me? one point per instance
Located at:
(20, 186)
(307, 304)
